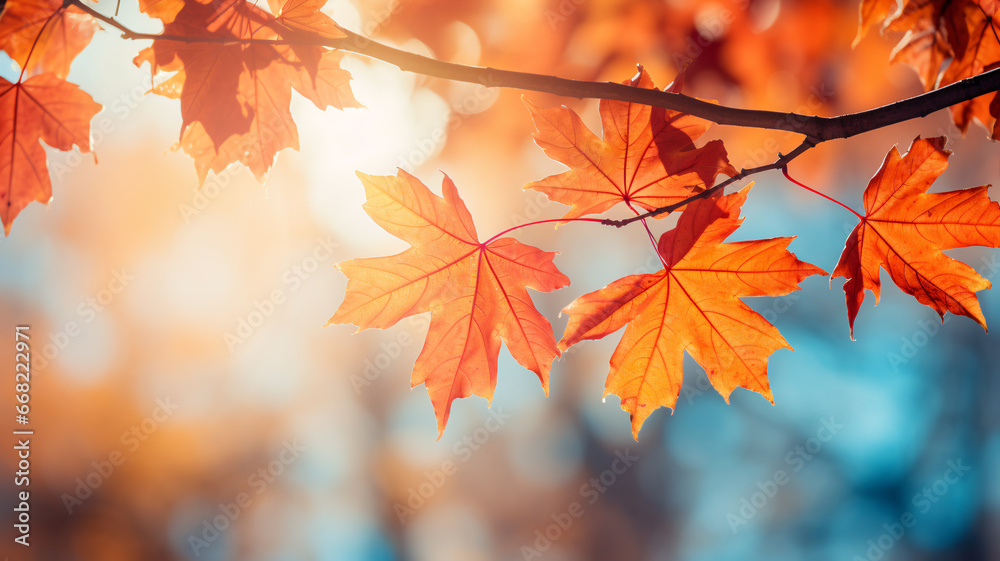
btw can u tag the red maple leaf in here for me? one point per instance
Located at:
(235, 95)
(44, 35)
(42, 108)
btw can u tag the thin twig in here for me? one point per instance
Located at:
(780, 163)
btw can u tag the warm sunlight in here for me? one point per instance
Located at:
(539, 280)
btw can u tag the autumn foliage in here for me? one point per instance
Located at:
(232, 66)
(691, 305)
(905, 229)
(475, 291)
(647, 158)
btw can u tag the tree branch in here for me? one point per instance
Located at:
(780, 163)
(818, 129)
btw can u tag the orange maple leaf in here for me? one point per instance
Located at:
(235, 97)
(982, 54)
(935, 31)
(208, 74)
(305, 15)
(475, 291)
(962, 33)
(872, 13)
(905, 230)
(44, 35)
(42, 108)
(326, 85)
(213, 72)
(693, 304)
(266, 92)
(163, 10)
(647, 157)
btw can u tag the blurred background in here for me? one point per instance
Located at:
(188, 403)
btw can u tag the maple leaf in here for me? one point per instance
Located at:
(935, 31)
(213, 72)
(982, 54)
(475, 291)
(48, 32)
(693, 304)
(905, 230)
(267, 94)
(208, 74)
(295, 18)
(872, 13)
(959, 31)
(328, 85)
(42, 108)
(305, 15)
(647, 157)
(235, 96)
(163, 10)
